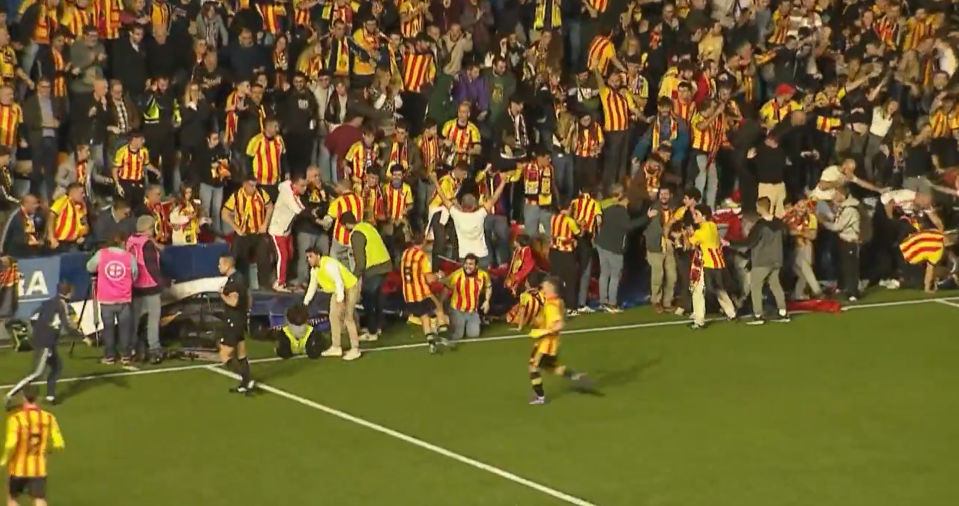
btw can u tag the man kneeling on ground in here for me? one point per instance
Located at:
(297, 337)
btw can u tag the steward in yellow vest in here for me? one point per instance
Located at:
(372, 263)
(297, 337)
(330, 276)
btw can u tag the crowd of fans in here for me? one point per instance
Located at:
(736, 143)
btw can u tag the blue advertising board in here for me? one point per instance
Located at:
(40, 276)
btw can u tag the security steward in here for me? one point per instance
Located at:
(372, 264)
(330, 276)
(161, 117)
(298, 337)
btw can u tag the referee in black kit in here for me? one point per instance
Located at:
(236, 306)
(52, 318)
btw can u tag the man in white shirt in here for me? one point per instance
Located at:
(286, 208)
(330, 276)
(470, 223)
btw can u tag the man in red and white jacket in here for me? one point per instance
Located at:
(286, 208)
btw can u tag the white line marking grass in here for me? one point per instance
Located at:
(414, 441)
(947, 302)
(506, 337)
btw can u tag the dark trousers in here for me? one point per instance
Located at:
(849, 267)
(300, 147)
(616, 156)
(562, 264)
(43, 358)
(273, 190)
(373, 300)
(162, 142)
(43, 180)
(133, 194)
(257, 247)
(414, 110)
(585, 172)
(439, 239)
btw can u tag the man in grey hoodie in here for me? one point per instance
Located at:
(765, 242)
(610, 243)
(847, 226)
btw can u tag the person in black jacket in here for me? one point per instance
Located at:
(211, 167)
(24, 235)
(129, 63)
(196, 118)
(770, 161)
(52, 319)
(309, 232)
(300, 115)
(161, 117)
(90, 116)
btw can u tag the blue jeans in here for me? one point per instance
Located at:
(610, 270)
(305, 241)
(467, 324)
(149, 305)
(497, 234)
(533, 217)
(584, 282)
(373, 298)
(323, 159)
(117, 330)
(211, 199)
(563, 167)
(421, 200)
(30, 53)
(707, 180)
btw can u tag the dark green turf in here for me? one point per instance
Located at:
(845, 410)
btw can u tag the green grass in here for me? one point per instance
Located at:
(845, 410)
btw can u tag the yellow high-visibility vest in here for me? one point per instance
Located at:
(326, 282)
(298, 346)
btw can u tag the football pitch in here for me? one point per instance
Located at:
(850, 409)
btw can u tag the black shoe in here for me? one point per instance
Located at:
(156, 358)
(51, 400)
(756, 320)
(696, 326)
(433, 349)
(782, 318)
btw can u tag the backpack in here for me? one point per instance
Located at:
(865, 223)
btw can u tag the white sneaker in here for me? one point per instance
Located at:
(353, 354)
(332, 352)
(373, 337)
(893, 284)
(586, 310)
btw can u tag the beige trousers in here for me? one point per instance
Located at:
(776, 193)
(344, 314)
(662, 266)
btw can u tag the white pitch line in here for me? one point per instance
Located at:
(506, 337)
(947, 302)
(415, 441)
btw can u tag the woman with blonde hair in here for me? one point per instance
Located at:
(196, 119)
